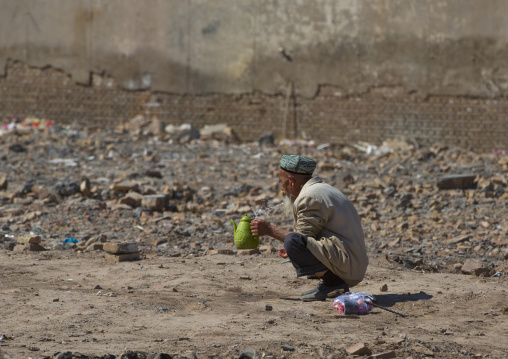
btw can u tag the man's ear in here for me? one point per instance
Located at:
(292, 181)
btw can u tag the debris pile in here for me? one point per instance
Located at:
(173, 190)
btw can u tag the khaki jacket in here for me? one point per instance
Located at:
(332, 225)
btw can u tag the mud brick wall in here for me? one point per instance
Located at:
(385, 113)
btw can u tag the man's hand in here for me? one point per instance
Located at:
(259, 227)
(282, 253)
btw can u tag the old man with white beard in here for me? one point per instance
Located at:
(327, 239)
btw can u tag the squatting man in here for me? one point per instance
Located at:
(328, 240)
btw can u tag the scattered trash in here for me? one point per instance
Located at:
(18, 125)
(69, 162)
(323, 146)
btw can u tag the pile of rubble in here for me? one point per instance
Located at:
(173, 190)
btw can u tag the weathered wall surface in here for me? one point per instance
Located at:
(433, 70)
(452, 47)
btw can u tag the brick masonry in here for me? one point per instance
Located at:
(479, 124)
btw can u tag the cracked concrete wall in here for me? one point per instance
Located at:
(426, 47)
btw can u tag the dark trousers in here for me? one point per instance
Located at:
(302, 259)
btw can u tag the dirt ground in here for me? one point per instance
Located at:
(216, 306)
(182, 299)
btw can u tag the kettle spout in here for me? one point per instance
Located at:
(234, 224)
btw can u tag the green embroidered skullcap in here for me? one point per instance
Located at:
(297, 164)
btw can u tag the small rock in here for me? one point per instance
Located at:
(359, 349)
(17, 148)
(457, 181)
(66, 355)
(248, 252)
(474, 268)
(95, 247)
(115, 258)
(221, 251)
(155, 127)
(45, 194)
(386, 355)
(126, 187)
(29, 247)
(28, 239)
(66, 189)
(249, 354)
(162, 356)
(268, 248)
(153, 173)
(287, 348)
(268, 307)
(134, 355)
(132, 199)
(219, 132)
(459, 239)
(3, 183)
(84, 187)
(384, 288)
(156, 202)
(266, 140)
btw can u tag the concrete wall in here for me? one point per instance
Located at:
(399, 63)
(452, 47)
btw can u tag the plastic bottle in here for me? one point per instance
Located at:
(353, 303)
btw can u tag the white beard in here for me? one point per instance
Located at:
(287, 206)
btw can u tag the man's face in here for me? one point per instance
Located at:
(284, 182)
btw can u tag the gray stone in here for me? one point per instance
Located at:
(3, 183)
(359, 349)
(155, 202)
(249, 354)
(457, 181)
(474, 268)
(288, 348)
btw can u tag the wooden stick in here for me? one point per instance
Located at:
(389, 310)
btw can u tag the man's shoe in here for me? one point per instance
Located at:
(322, 292)
(313, 289)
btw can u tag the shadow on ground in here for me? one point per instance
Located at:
(389, 300)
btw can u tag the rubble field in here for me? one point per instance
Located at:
(118, 243)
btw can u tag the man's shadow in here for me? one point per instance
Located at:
(389, 300)
(386, 300)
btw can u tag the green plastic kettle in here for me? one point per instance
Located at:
(243, 236)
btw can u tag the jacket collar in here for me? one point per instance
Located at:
(310, 182)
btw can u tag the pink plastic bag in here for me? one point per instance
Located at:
(353, 303)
